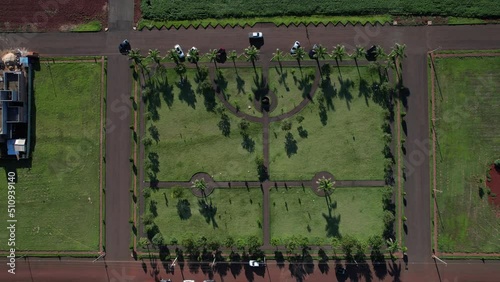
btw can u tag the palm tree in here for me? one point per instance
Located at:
(326, 184)
(233, 56)
(278, 56)
(338, 53)
(379, 53)
(154, 56)
(299, 55)
(359, 52)
(212, 56)
(194, 56)
(180, 69)
(397, 54)
(136, 56)
(174, 56)
(392, 246)
(252, 54)
(199, 184)
(319, 53)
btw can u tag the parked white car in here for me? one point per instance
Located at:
(295, 46)
(179, 51)
(255, 35)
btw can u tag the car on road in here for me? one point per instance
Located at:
(208, 280)
(179, 51)
(124, 47)
(295, 46)
(255, 263)
(312, 52)
(188, 280)
(255, 35)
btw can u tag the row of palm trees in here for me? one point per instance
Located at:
(392, 59)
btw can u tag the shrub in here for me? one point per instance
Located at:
(286, 125)
(177, 193)
(388, 219)
(497, 164)
(299, 119)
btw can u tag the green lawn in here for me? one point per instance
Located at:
(237, 212)
(468, 139)
(291, 86)
(354, 211)
(240, 86)
(191, 140)
(52, 198)
(341, 133)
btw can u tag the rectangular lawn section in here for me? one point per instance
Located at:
(468, 141)
(340, 133)
(355, 211)
(239, 87)
(191, 136)
(238, 213)
(57, 200)
(291, 86)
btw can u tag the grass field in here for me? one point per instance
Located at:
(239, 86)
(291, 86)
(468, 138)
(340, 134)
(191, 139)
(57, 200)
(351, 211)
(236, 212)
(170, 10)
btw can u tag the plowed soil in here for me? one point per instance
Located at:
(50, 15)
(494, 186)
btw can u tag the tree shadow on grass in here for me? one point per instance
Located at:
(332, 221)
(240, 85)
(154, 160)
(248, 143)
(365, 90)
(329, 92)
(224, 125)
(290, 144)
(221, 82)
(184, 209)
(260, 89)
(344, 91)
(208, 210)
(208, 92)
(187, 94)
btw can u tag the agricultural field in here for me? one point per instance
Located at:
(340, 132)
(354, 211)
(218, 9)
(468, 138)
(74, 15)
(58, 197)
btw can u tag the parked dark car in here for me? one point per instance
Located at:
(124, 47)
(371, 54)
(221, 56)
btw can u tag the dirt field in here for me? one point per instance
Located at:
(50, 15)
(494, 185)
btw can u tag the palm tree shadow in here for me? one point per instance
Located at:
(290, 145)
(365, 90)
(395, 271)
(344, 91)
(187, 94)
(208, 210)
(332, 221)
(240, 84)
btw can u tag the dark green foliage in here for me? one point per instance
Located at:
(189, 10)
(286, 125)
(497, 164)
(261, 168)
